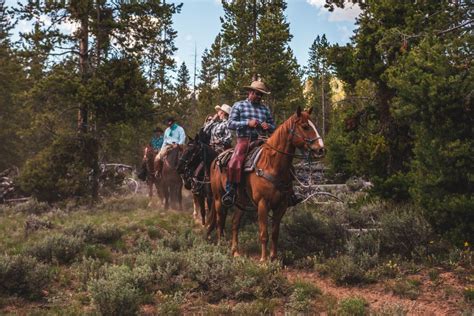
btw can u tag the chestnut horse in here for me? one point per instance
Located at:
(268, 186)
(170, 183)
(151, 181)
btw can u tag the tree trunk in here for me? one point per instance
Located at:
(83, 67)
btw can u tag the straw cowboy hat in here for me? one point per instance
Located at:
(224, 107)
(258, 86)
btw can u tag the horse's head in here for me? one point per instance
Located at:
(304, 134)
(190, 156)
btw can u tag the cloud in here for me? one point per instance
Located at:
(349, 13)
(345, 33)
(188, 37)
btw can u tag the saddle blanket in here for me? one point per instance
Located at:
(250, 161)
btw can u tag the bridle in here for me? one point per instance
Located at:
(307, 141)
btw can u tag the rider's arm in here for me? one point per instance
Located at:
(226, 135)
(208, 126)
(166, 139)
(181, 136)
(235, 120)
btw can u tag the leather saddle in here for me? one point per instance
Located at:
(250, 161)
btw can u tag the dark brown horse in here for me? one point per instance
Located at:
(268, 186)
(194, 166)
(151, 181)
(170, 183)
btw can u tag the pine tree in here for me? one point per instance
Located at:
(207, 88)
(12, 82)
(239, 34)
(256, 35)
(183, 93)
(319, 77)
(380, 40)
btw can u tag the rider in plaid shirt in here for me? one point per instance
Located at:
(218, 128)
(247, 118)
(243, 112)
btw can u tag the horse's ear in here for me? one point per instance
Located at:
(298, 111)
(310, 110)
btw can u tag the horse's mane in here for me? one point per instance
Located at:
(279, 136)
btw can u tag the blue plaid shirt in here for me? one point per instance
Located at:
(243, 111)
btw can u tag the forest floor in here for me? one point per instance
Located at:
(434, 289)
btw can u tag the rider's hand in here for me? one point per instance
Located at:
(265, 125)
(252, 123)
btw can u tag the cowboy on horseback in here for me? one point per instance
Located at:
(247, 118)
(174, 136)
(218, 128)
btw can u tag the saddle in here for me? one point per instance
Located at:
(250, 161)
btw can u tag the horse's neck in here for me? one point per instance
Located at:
(278, 153)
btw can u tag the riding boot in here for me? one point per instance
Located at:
(228, 199)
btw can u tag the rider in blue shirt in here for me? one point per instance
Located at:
(156, 141)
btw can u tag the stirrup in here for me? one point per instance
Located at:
(228, 199)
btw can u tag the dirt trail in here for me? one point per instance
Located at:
(444, 299)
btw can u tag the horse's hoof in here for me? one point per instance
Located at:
(236, 254)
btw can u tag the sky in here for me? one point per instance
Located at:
(199, 23)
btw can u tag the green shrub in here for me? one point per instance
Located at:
(23, 276)
(352, 306)
(105, 234)
(344, 270)
(306, 233)
(180, 241)
(56, 248)
(167, 267)
(406, 288)
(171, 304)
(468, 293)
(99, 252)
(121, 290)
(258, 307)
(212, 270)
(32, 206)
(404, 232)
(300, 299)
(142, 244)
(89, 269)
(258, 281)
(61, 170)
(154, 233)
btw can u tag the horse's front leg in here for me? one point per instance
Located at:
(262, 228)
(211, 219)
(235, 232)
(202, 208)
(277, 216)
(150, 193)
(180, 198)
(196, 205)
(220, 217)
